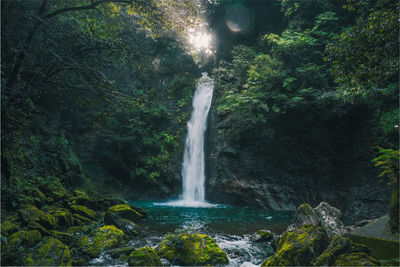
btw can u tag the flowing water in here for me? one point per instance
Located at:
(233, 228)
(193, 174)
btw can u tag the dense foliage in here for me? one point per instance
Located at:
(93, 88)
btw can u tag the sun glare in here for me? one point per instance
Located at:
(200, 41)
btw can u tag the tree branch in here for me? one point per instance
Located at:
(91, 6)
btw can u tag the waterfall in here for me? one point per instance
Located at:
(193, 167)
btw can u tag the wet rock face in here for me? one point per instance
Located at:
(281, 167)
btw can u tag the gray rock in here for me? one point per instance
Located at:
(330, 219)
(324, 215)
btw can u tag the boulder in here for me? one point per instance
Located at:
(52, 252)
(63, 216)
(24, 239)
(356, 259)
(33, 214)
(324, 215)
(127, 212)
(305, 214)
(14, 250)
(102, 238)
(191, 249)
(84, 211)
(9, 227)
(264, 235)
(299, 247)
(338, 245)
(330, 219)
(144, 257)
(113, 218)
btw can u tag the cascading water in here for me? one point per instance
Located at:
(193, 173)
(193, 166)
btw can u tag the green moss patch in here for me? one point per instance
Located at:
(299, 247)
(191, 249)
(51, 253)
(144, 257)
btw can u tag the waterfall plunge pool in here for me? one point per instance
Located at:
(233, 228)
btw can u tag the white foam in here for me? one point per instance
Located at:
(188, 204)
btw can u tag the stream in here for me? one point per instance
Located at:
(233, 228)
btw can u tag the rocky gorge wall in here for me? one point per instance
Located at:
(327, 161)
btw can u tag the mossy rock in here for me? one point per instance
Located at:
(33, 214)
(299, 247)
(77, 229)
(338, 245)
(305, 214)
(144, 257)
(65, 237)
(105, 237)
(81, 220)
(84, 211)
(265, 235)
(15, 248)
(63, 216)
(9, 227)
(24, 238)
(129, 227)
(356, 259)
(118, 252)
(127, 212)
(192, 249)
(52, 252)
(39, 227)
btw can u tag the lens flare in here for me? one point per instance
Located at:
(237, 18)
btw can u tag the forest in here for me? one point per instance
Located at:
(200, 132)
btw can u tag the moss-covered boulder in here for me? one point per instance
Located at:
(24, 239)
(9, 227)
(39, 227)
(63, 216)
(113, 218)
(356, 259)
(65, 237)
(84, 211)
(15, 248)
(264, 235)
(191, 249)
(102, 238)
(338, 245)
(144, 257)
(299, 247)
(127, 212)
(81, 220)
(32, 214)
(51, 252)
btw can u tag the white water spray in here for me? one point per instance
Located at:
(193, 166)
